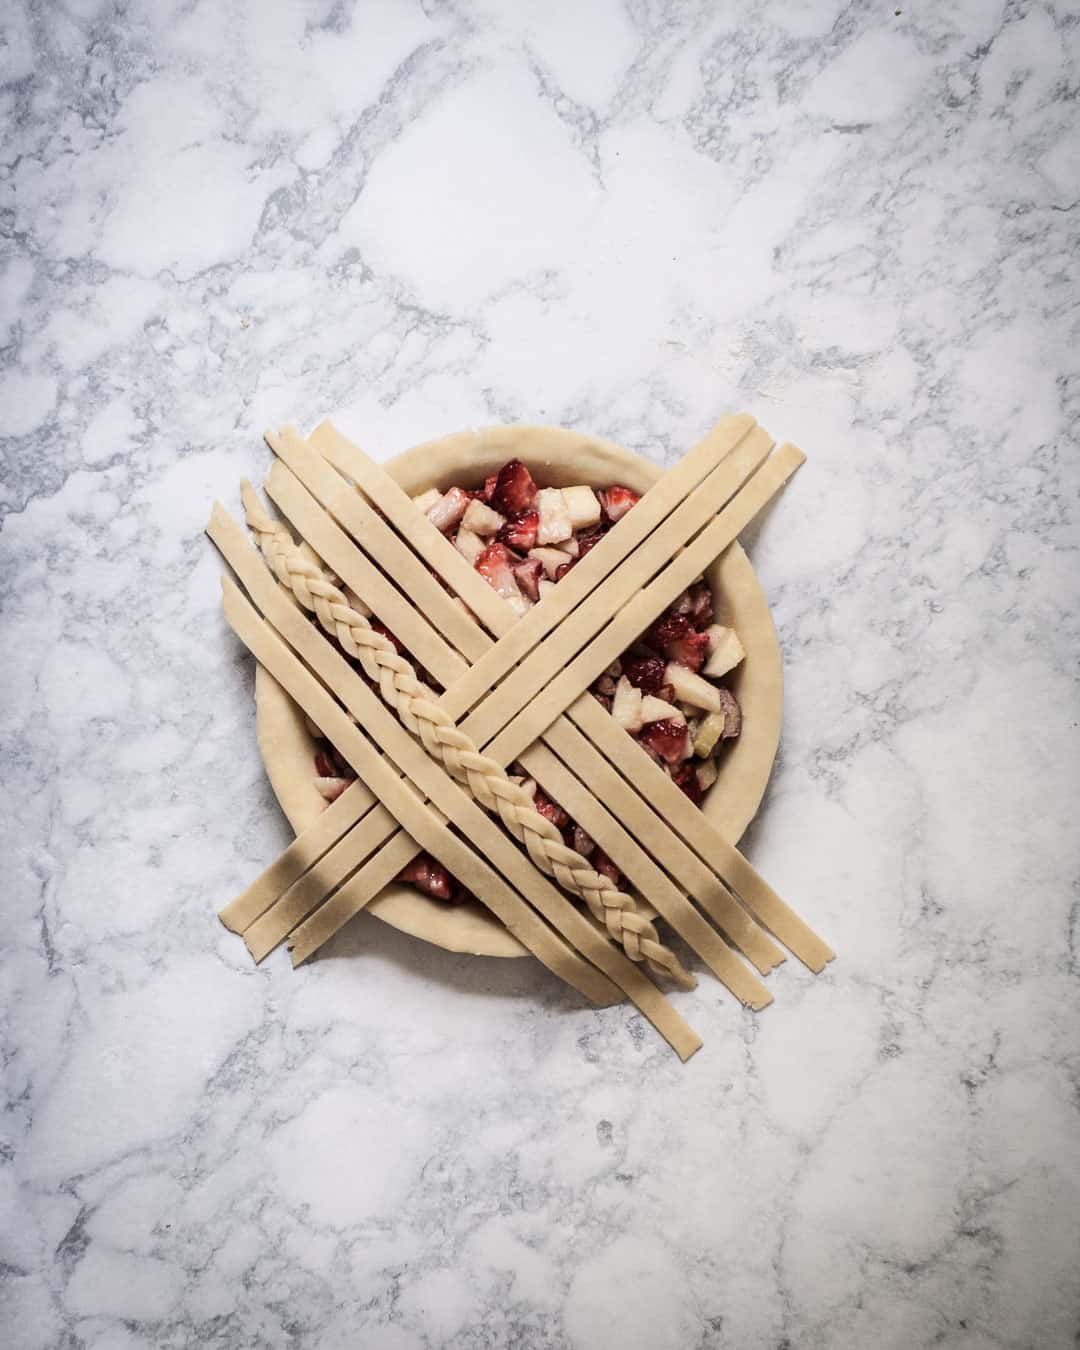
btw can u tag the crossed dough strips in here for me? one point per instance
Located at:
(527, 705)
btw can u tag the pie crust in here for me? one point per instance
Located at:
(559, 458)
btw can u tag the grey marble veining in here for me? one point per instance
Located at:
(858, 222)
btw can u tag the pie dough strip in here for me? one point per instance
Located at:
(305, 850)
(709, 890)
(406, 570)
(668, 900)
(519, 635)
(619, 590)
(431, 780)
(416, 707)
(310, 890)
(557, 684)
(699, 832)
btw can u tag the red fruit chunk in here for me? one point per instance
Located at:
(690, 651)
(551, 810)
(644, 672)
(489, 487)
(428, 876)
(589, 538)
(514, 489)
(603, 864)
(527, 573)
(520, 531)
(616, 501)
(495, 566)
(669, 739)
(581, 842)
(563, 568)
(324, 765)
(686, 777)
(667, 629)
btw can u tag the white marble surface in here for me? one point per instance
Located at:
(861, 226)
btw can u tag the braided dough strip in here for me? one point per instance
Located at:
(410, 758)
(568, 681)
(418, 710)
(574, 748)
(518, 636)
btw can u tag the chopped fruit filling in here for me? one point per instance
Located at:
(523, 539)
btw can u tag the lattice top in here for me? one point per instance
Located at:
(432, 766)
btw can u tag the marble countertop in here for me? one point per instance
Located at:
(858, 223)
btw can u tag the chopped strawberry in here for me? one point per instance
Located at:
(520, 531)
(603, 864)
(668, 738)
(495, 566)
(527, 574)
(551, 810)
(382, 628)
(685, 776)
(616, 501)
(563, 568)
(324, 765)
(645, 672)
(690, 651)
(701, 612)
(514, 489)
(428, 876)
(489, 487)
(668, 628)
(588, 539)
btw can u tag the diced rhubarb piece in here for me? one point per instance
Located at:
(603, 864)
(554, 524)
(582, 506)
(527, 574)
(481, 519)
(725, 650)
(689, 651)
(449, 509)
(519, 532)
(682, 604)
(626, 708)
(581, 842)
(552, 810)
(426, 500)
(691, 688)
(669, 739)
(732, 713)
(468, 544)
(514, 489)
(616, 501)
(707, 774)
(551, 559)
(709, 731)
(645, 672)
(569, 546)
(656, 709)
(701, 611)
(331, 787)
(428, 876)
(495, 566)
(605, 685)
(685, 776)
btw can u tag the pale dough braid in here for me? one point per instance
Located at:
(416, 706)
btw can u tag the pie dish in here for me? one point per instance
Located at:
(556, 458)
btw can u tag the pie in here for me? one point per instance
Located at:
(522, 504)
